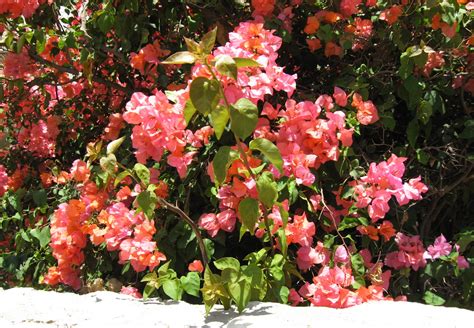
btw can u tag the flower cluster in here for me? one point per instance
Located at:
(441, 247)
(383, 181)
(67, 241)
(121, 229)
(40, 138)
(18, 66)
(159, 126)
(306, 140)
(251, 40)
(3, 180)
(410, 253)
(16, 8)
(330, 288)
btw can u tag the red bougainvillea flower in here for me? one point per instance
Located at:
(349, 7)
(332, 49)
(392, 14)
(313, 44)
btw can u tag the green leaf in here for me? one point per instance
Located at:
(122, 175)
(413, 131)
(219, 118)
(284, 293)
(249, 213)
(245, 62)
(226, 66)
(281, 234)
(106, 22)
(114, 145)
(173, 289)
(240, 292)
(357, 262)
(257, 281)
(221, 163)
(227, 263)
(468, 132)
(244, 118)
(40, 197)
(208, 41)
(149, 289)
(267, 190)
(406, 66)
(191, 283)
(192, 46)
(43, 235)
(422, 156)
(142, 172)
(189, 111)
(181, 57)
(424, 111)
(108, 163)
(269, 150)
(433, 299)
(349, 222)
(147, 201)
(204, 94)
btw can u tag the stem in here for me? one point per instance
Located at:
(193, 225)
(227, 106)
(243, 155)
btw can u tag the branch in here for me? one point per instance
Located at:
(193, 225)
(73, 71)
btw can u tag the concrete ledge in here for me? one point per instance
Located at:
(26, 307)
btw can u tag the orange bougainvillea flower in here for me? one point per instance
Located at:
(332, 49)
(392, 14)
(313, 44)
(369, 231)
(386, 230)
(462, 2)
(329, 17)
(312, 25)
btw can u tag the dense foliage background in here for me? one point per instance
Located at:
(79, 76)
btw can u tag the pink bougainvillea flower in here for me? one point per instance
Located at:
(340, 97)
(341, 255)
(440, 247)
(366, 111)
(132, 291)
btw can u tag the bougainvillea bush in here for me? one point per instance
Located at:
(303, 152)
